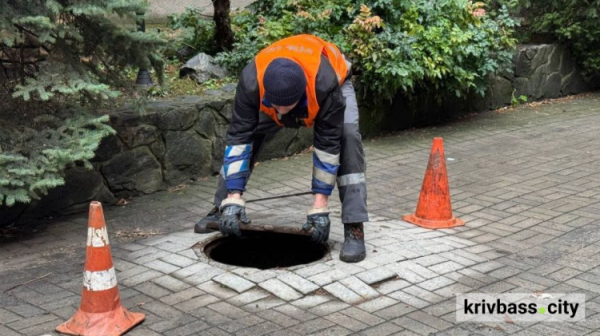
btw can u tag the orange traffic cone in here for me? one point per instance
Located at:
(100, 311)
(434, 210)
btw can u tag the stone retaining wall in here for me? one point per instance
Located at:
(539, 72)
(175, 141)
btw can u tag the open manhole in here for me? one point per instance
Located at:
(265, 250)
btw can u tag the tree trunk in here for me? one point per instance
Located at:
(223, 32)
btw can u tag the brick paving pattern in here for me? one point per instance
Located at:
(526, 181)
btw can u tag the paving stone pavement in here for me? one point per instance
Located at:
(526, 181)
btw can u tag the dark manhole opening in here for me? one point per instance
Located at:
(265, 250)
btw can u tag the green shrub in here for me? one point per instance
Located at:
(199, 32)
(572, 22)
(443, 46)
(61, 53)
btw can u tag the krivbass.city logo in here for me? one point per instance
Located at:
(507, 307)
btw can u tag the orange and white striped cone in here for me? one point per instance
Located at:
(100, 311)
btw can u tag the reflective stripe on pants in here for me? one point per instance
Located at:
(351, 180)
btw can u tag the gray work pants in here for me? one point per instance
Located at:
(351, 174)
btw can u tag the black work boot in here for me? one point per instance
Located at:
(213, 216)
(353, 249)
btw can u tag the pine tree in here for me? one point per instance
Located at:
(58, 53)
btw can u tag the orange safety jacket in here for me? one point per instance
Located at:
(306, 50)
(322, 106)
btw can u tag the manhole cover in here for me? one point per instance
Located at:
(265, 250)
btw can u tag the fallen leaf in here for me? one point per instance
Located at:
(122, 201)
(177, 188)
(308, 150)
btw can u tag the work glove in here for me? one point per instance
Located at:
(318, 219)
(233, 211)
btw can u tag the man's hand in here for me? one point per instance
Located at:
(233, 211)
(318, 219)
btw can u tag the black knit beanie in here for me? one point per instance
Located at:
(284, 82)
